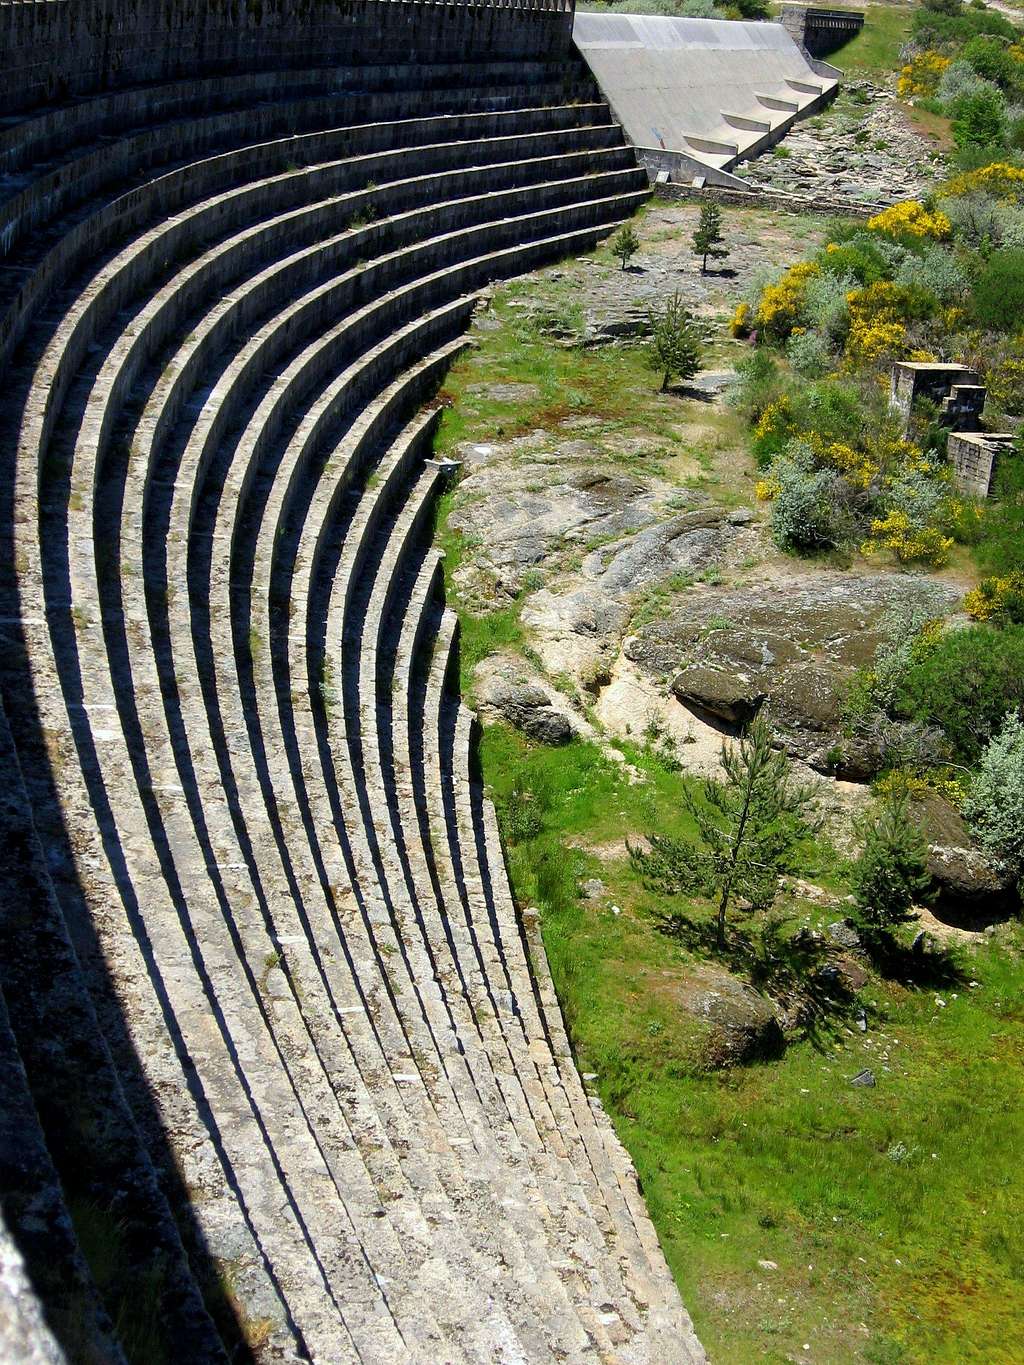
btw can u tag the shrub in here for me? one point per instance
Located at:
(889, 876)
(878, 318)
(862, 261)
(957, 80)
(915, 509)
(781, 305)
(1001, 548)
(997, 178)
(921, 75)
(809, 512)
(974, 217)
(1008, 223)
(994, 808)
(1005, 377)
(936, 272)
(993, 60)
(979, 119)
(826, 307)
(739, 325)
(910, 220)
(999, 290)
(964, 683)
(809, 354)
(773, 430)
(758, 382)
(998, 599)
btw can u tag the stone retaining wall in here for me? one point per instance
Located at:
(756, 198)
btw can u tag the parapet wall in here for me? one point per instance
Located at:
(53, 49)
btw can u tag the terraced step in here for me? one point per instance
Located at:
(324, 1045)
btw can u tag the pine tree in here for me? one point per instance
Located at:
(707, 237)
(747, 826)
(890, 874)
(675, 344)
(625, 244)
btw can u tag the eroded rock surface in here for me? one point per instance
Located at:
(793, 644)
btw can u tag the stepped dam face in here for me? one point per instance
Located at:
(282, 1072)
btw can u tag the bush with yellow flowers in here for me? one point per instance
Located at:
(909, 543)
(998, 178)
(740, 324)
(773, 429)
(780, 308)
(998, 599)
(921, 75)
(911, 220)
(878, 317)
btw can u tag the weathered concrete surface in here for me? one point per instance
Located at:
(710, 90)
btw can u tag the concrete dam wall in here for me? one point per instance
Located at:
(695, 96)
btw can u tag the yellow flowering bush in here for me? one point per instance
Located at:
(781, 304)
(911, 544)
(911, 219)
(857, 467)
(901, 779)
(921, 75)
(766, 490)
(877, 330)
(998, 178)
(996, 598)
(740, 324)
(775, 424)
(871, 340)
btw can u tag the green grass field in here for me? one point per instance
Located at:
(892, 1214)
(875, 52)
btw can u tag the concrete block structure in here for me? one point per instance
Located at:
(819, 32)
(697, 96)
(273, 1032)
(975, 457)
(955, 389)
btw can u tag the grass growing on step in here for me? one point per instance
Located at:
(131, 1295)
(888, 1212)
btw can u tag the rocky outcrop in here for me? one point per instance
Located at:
(793, 644)
(966, 882)
(719, 693)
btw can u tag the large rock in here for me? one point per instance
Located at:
(967, 884)
(744, 1026)
(797, 643)
(529, 709)
(727, 696)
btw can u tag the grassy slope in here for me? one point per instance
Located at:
(875, 50)
(891, 1213)
(884, 1252)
